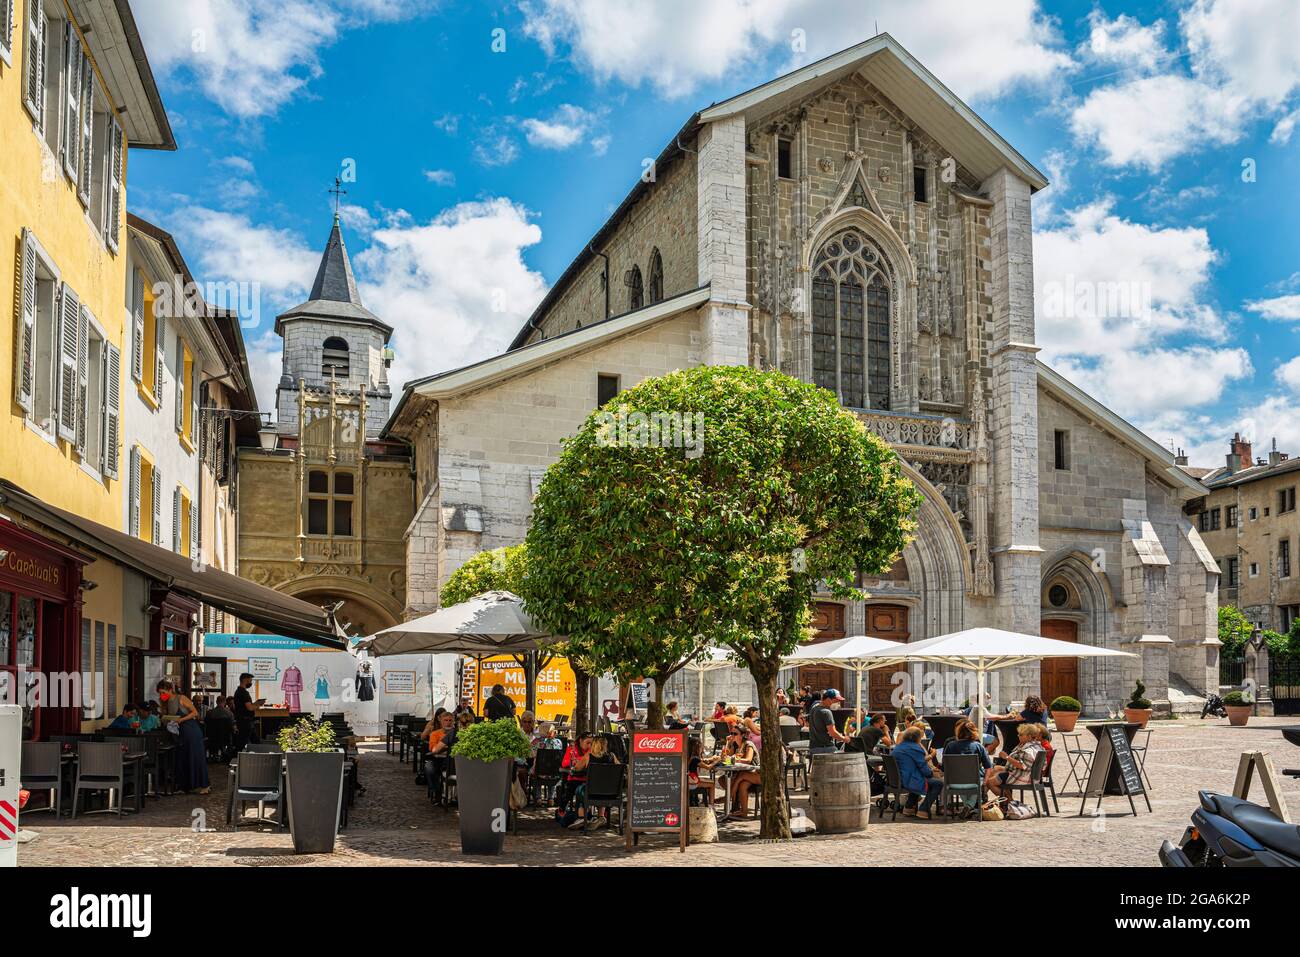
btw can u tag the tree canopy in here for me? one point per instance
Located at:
(500, 569)
(705, 507)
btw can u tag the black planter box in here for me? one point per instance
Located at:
(483, 795)
(315, 795)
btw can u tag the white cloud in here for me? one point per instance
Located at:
(1124, 41)
(250, 57)
(600, 145)
(456, 289)
(979, 50)
(495, 147)
(449, 123)
(1281, 134)
(440, 177)
(1288, 374)
(1278, 308)
(565, 127)
(239, 163)
(1243, 65)
(1121, 309)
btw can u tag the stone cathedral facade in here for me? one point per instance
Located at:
(857, 226)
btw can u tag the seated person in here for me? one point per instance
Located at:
(128, 720)
(854, 723)
(1033, 711)
(731, 715)
(966, 740)
(673, 719)
(741, 751)
(576, 758)
(719, 709)
(875, 733)
(749, 722)
(433, 724)
(435, 759)
(788, 720)
(149, 718)
(916, 774)
(1018, 763)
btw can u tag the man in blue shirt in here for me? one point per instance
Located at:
(127, 720)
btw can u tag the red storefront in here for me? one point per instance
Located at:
(40, 630)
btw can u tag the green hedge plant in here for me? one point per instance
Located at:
(306, 735)
(491, 741)
(1065, 703)
(1136, 701)
(1237, 699)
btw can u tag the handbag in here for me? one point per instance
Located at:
(991, 811)
(1018, 811)
(518, 799)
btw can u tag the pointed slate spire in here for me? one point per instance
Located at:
(334, 296)
(334, 280)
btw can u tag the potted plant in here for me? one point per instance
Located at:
(314, 788)
(1138, 709)
(1239, 705)
(485, 756)
(1065, 712)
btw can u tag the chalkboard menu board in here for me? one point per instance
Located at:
(1114, 767)
(656, 784)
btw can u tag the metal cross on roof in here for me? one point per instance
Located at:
(338, 191)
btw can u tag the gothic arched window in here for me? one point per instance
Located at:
(635, 293)
(334, 358)
(656, 290)
(850, 313)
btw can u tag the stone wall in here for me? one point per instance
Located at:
(664, 218)
(301, 359)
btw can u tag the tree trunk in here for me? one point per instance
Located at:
(530, 677)
(654, 711)
(581, 713)
(776, 813)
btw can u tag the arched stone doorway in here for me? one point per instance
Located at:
(1076, 604)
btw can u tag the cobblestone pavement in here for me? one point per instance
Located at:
(393, 824)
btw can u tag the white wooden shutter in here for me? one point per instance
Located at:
(69, 338)
(112, 221)
(134, 526)
(157, 506)
(180, 386)
(176, 519)
(25, 331)
(160, 353)
(83, 377)
(7, 31)
(194, 532)
(137, 325)
(87, 149)
(71, 134)
(193, 388)
(34, 88)
(112, 404)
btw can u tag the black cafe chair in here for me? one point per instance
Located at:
(604, 790)
(1035, 785)
(42, 770)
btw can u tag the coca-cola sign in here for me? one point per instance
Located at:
(657, 742)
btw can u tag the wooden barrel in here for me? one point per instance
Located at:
(840, 798)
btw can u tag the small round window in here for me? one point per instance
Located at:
(1059, 596)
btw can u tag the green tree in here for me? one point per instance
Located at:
(1234, 631)
(647, 547)
(500, 569)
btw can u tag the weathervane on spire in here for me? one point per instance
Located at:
(338, 191)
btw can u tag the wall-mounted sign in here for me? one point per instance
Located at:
(399, 682)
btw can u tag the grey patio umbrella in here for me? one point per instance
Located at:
(493, 623)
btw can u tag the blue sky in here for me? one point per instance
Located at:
(490, 141)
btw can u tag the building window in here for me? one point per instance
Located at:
(784, 159)
(1286, 500)
(1284, 558)
(606, 388)
(7, 32)
(1230, 516)
(656, 286)
(1289, 613)
(148, 350)
(185, 393)
(37, 336)
(1209, 521)
(1061, 450)
(334, 358)
(145, 521)
(851, 311)
(1231, 570)
(918, 184)
(185, 521)
(1058, 596)
(1252, 513)
(1254, 570)
(330, 497)
(635, 292)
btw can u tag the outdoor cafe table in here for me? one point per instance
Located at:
(944, 726)
(132, 763)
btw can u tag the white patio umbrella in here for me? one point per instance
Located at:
(710, 659)
(493, 623)
(852, 653)
(983, 650)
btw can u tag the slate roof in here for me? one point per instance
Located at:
(334, 296)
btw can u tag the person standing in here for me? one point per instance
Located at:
(498, 705)
(246, 713)
(191, 757)
(823, 734)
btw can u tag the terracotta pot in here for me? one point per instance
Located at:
(1138, 716)
(1065, 720)
(1239, 714)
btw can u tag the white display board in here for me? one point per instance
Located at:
(11, 750)
(314, 680)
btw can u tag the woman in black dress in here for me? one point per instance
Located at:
(191, 756)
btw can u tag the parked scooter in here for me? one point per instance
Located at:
(1229, 831)
(1214, 706)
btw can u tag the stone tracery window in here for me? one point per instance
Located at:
(655, 292)
(850, 318)
(635, 297)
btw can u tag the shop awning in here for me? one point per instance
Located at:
(264, 607)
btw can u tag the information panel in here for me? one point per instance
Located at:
(656, 784)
